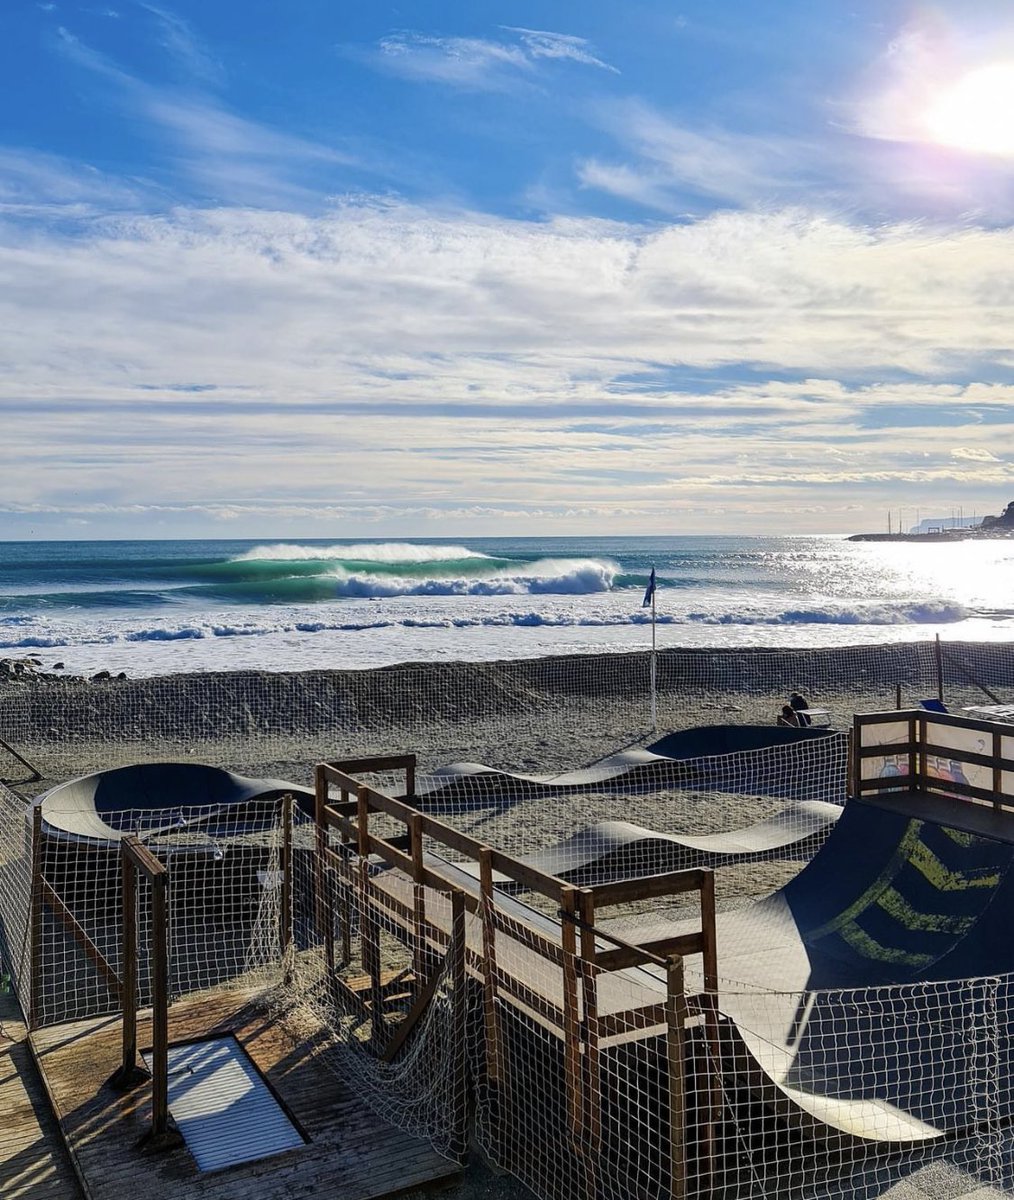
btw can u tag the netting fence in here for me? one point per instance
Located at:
(518, 951)
(533, 715)
(61, 904)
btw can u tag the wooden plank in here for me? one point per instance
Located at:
(71, 925)
(527, 935)
(412, 1018)
(352, 1153)
(538, 881)
(638, 954)
(675, 883)
(371, 766)
(33, 1162)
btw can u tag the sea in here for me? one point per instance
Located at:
(164, 607)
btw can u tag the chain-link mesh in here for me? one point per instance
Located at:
(223, 905)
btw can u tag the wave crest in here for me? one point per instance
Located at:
(929, 613)
(386, 552)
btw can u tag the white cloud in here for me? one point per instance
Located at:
(229, 157)
(33, 184)
(480, 64)
(461, 62)
(426, 362)
(542, 44)
(184, 45)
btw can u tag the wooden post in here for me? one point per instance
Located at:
(997, 770)
(676, 1016)
(130, 1072)
(419, 963)
(369, 929)
(940, 670)
(459, 1008)
(711, 1024)
(137, 857)
(917, 752)
(321, 918)
(285, 932)
(494, 1066)
(35, 917)
(571, 1029)
(857, 758)
(897, 696)
(589, 980)
(128, 997)
(159, 1010)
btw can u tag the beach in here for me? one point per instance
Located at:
(549, 714)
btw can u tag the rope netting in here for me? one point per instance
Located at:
(223, 910)
(352, 969)
(478, 963)
(533, 716)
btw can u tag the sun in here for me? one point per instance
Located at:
(977, 112)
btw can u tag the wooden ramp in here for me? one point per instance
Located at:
(33, 1162)
(351, 1152)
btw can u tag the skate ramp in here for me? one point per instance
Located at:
(149, 797)
(851, 989)
(612, 850)
(692, 759)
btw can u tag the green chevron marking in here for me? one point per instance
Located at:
(859, 940)
(901, 855)
(896, 906)
(946, 880)
(959, 836)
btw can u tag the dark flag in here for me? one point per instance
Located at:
(649, 594)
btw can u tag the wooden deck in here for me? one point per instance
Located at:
(33, 1162)
(351, 1153)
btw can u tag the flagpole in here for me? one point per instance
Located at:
(654, 676)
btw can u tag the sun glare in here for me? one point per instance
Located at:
(977, 112)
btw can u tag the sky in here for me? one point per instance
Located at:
(321, 269)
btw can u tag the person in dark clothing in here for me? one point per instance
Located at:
(799, 707)
(788, 717)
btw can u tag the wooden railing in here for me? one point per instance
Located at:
(924, 746)
(574, 946)
(137, 859)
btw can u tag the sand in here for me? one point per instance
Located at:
(537, 715)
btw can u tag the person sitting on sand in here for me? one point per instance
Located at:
(799, 707)
(788, 717)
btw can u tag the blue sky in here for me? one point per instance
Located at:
(318, 269)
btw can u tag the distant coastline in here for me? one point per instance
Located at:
(943, 536)
(989, 528)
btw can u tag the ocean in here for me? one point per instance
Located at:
(164, 607)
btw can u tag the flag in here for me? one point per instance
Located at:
(649, 594)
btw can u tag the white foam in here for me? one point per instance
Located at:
(407, 552)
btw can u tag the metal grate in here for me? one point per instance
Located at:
(222, 1106)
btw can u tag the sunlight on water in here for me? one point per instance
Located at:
(160, 607)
